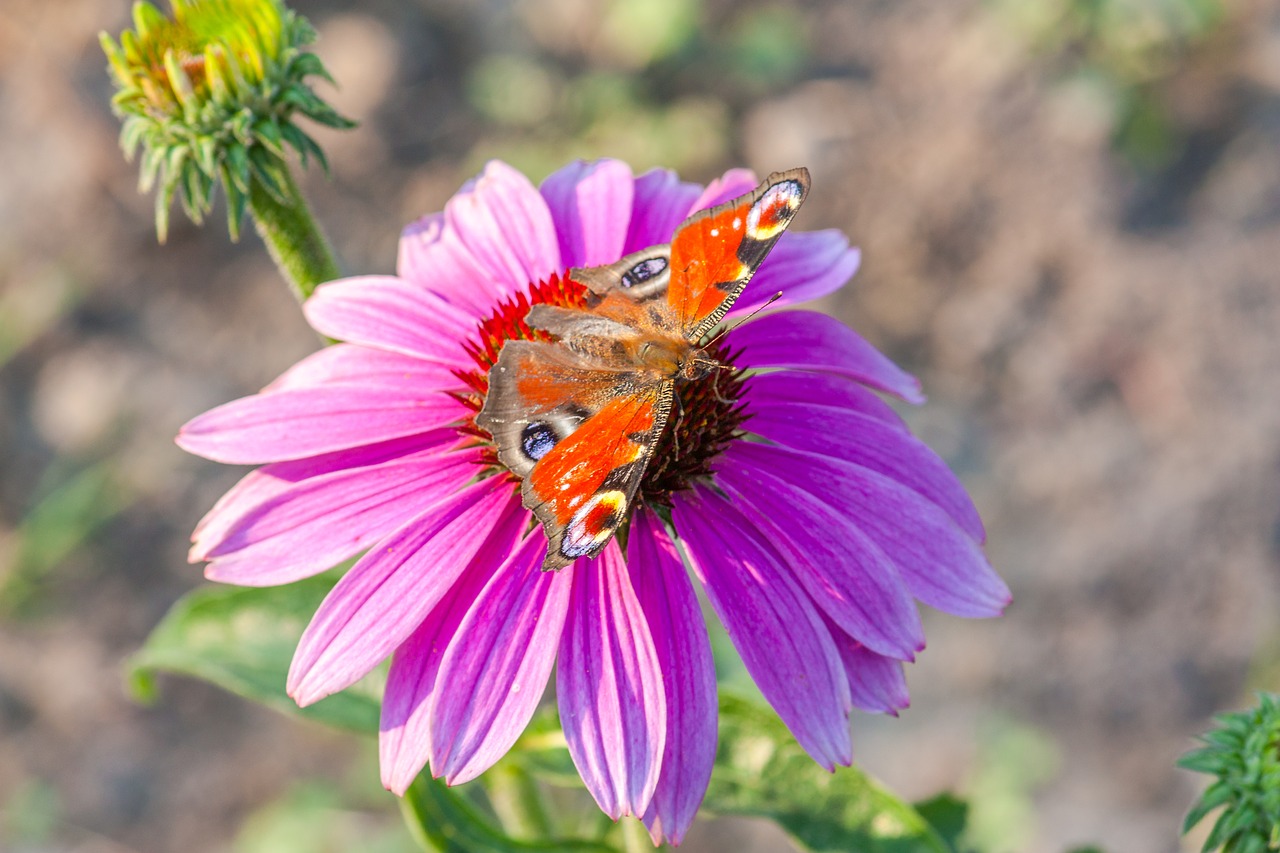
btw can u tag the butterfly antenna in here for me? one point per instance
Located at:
(727, 329)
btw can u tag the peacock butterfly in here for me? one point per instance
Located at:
(577, 418)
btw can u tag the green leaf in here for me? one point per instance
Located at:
(443, 820)
(947, 814)
(242, 639)
(761, 771)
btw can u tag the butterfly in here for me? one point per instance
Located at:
(577, 418)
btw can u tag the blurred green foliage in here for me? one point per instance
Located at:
(71, 505)
(658, 86)
(1125, 50)
(1014, 759)
(30, 816)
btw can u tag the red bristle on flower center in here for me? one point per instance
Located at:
(705, 413)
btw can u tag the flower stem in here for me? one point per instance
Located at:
(518, 802)
(293, 237)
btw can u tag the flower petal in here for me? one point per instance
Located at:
(610, 689)
(771, 621)
(504, 225)
(798, 387)
(433, 258)
(807, 340)
(861, 440)
(661, 202)
(316, 524)
(404, 738)
(349, 364)
(727, 187)
(846, 574)
(387, 594)
(684, 654)
(496, 669)
(296, 423)
(391, 314)
(270, 480)
(942, 566)
(876, 682)
(801, 266)
(590, 204)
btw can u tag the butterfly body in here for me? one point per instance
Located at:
(577, 418)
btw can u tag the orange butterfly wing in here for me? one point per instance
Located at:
(582, 488)
(715, 252)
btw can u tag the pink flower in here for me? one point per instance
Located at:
(813, 540)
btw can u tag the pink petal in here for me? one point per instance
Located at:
(807, 340)
(661, 202)
(801, 266)
(387, 594)
(727, 187)
(771, 621)
(590, 204)
(610, 688)
(942, 566)
(270, 480)
(392, 314)
(877, 683)
(497, 666)
(504, 225)
(782, 388)
(844, 572)
(316, 524)
(684, 655)
(301, 422)
(348, 364)
(433, 258)
(404, 739)
(861, 440)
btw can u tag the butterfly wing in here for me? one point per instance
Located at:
(539, 393)
(579, 437)
(583, 488)
(715, 252)
(640, 277)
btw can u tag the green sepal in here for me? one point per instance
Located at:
(237, 166)
(267, 133)
(306, 64)
(147, 18)
(237, 200)
(268, 170)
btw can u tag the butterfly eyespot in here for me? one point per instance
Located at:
(593, 524)
(644, 271)
(537, 439)
(773, 212)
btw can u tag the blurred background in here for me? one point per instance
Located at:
(1070, 217)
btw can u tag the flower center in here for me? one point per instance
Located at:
(705, 415)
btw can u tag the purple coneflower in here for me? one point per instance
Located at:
(811, 516)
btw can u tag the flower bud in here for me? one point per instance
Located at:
(210, 95)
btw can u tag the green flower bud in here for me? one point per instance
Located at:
(1244, 753)
(210, 96)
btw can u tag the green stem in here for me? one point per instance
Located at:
(518, 802)
(635, 838)
(293, 237)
